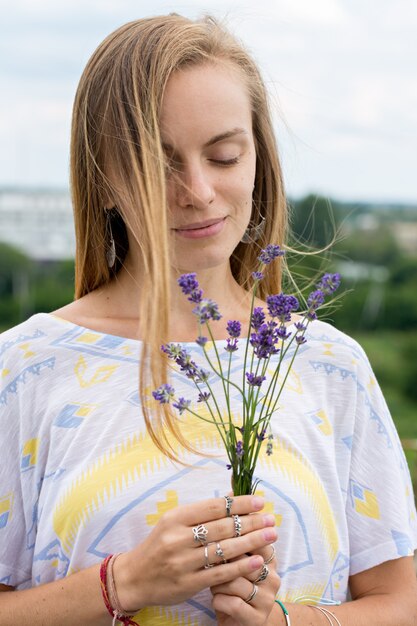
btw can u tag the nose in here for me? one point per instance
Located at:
(194, 187)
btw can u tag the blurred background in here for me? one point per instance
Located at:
(343, 86)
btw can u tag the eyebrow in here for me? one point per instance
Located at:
(216, 138)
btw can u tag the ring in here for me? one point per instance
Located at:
(267, 562)
(263, 575)
(206, 556)
(219, 552)
(238, 525)
(200, 533)
(252, 594)
(229, 501)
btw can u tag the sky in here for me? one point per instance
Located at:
(341, 75)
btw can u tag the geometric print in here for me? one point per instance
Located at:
(81, 478)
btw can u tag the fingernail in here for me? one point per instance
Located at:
(258, 503)
(270, 534)
(256, 562)
(269, 520)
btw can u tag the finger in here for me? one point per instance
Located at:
(229, 527)
(224, 573)
(214, 509)
(251, 543)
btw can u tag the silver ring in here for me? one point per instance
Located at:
(229, 501)
(238, 525)
(200, 533)
(267, 562)
(208, 565)
(252, 594)
(219, 552)
(263, 575)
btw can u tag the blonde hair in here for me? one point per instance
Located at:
(115, 130)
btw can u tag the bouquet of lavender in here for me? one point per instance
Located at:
(268, 338)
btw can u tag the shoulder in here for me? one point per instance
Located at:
(20, 344)
(329, 347)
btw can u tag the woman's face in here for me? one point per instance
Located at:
(206, 128)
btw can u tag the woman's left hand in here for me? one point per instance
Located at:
(230, 600)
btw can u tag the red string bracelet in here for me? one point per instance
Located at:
(121, 617)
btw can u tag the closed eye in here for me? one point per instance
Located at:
(226, 162)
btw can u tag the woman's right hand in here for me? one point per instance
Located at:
(168, 566)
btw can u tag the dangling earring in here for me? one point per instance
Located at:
(254, 231)
(110, 245)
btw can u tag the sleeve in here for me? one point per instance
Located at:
(17, 506)
(381, 511)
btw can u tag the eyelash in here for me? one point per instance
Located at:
(233, 161)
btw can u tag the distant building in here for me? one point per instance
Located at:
(406, 235)
(38, 222)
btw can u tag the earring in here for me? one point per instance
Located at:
(110, 245)
(254, 232)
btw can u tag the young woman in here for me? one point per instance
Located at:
(174, 169)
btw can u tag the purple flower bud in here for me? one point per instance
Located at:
(281, 306)
(300, 339)
(270, 253)
(233, 328)
(300, 326)
(239, 449)
(164, 394)
(203, 396)
(182, 405)
(207, 310)
(315, 300)
(254, 381)
(228, 466)
(329, 283)
(283, 333)
(261, 436)
(201, 341)
(231, 345)
(188, 283)
(258, 317)
(257, 275)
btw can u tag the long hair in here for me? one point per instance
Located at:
(117, 159)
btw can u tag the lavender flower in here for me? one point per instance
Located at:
(270, 253)
(201, 341)
(190, 287)
(172, 350)
(257, 275)
(265, 340)
(258, 317)
(269, 445)
(164, 394)
(234, 328)
(329, 283)
(231, 345)
(300, 339)
(254, 381)
(314, 301)
(203, 396)
(262, 435)
(239, 449)
(188, 283)
(207, 310)
(300, 326)
(281, 306)
(283, 333)
(182, 405)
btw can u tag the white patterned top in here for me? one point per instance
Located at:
(80, 477)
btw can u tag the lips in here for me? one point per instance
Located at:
(198, 225)
(198, 230)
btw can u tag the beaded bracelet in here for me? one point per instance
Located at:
(284, 610)
(107, 584)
